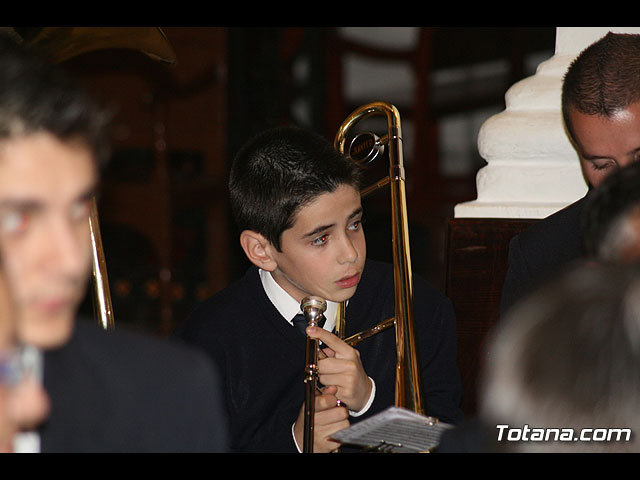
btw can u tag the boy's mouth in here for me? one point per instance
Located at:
(349, 281)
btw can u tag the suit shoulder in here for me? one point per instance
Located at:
(554, 240)
(131, 349)
(155, 394)
(562, 222)
(212, 314)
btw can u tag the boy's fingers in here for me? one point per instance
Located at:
(329, 339)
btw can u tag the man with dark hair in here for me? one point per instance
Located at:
(297, 202)
(44, 115)
(601, 109)
(601, 105)
(109, 391)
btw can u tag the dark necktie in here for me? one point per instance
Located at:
(301, 323)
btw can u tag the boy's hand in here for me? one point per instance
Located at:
(328, 419)
(342, 368)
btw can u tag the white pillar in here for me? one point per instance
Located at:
(532, 169)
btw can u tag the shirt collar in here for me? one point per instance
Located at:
(289, 306)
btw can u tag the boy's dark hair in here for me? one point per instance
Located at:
(278, 172)
(37, 96)
(604, 78)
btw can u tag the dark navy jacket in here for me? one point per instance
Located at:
(261, 356)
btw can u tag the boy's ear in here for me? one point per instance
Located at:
(258, 250)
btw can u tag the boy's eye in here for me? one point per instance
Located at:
(355, 225)
(15, 221)
(320, 240)
(80, 209)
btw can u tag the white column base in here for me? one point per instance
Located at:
(532, 169)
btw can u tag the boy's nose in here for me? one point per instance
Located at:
(69, 249)
(349, 252)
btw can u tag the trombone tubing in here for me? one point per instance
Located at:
(312, 309)
(408, 380)
(103, 302)
(311, 384)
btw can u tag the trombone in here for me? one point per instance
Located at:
(365, 148)
(312, 308)
(102, 302)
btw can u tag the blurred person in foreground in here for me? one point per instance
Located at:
(23, 402)
(109, 391)
(562, 369)
(533, 365)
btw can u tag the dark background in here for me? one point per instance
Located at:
(168, 238)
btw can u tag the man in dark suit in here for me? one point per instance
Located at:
(109, 391)
(123, 392)
(601, 110)
(536, 253)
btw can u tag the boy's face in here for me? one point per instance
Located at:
(606, 143)
(45, 243)
(323, 254)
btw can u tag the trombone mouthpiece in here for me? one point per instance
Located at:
(313, 308)
(313, 302)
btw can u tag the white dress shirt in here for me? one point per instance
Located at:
(289, 307)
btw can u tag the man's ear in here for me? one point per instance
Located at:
(258, 250)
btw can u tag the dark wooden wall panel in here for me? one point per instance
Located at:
(476, 265)
(163, 208)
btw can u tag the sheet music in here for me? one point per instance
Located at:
(395, 429)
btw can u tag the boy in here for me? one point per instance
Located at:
(297, 205)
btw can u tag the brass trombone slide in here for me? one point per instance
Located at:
(312, 308)
(102, 291)
(365, 147)
(355, 339)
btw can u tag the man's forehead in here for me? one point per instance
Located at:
(39, 166)
(41, 142)
(596, 132)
